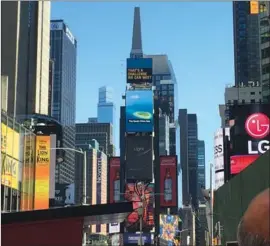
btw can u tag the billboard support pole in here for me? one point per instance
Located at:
(211, 204)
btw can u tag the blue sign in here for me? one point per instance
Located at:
(134, 238)
(139, 111)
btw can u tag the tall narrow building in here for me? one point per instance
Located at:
(25, 37)
(201, 169)
(247, 59)
(64, 55)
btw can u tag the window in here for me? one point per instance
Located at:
(252, 93)
(252, 100)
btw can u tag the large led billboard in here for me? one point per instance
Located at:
(168, 182)
(139, 70)
(42, 175)
(10, 143)
(114, 166)
(139, 157)
(168, 227)
(139, 111)
(250, 135)
(133, 195)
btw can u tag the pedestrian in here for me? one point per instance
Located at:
(254, 229)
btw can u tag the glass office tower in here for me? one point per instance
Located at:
(64, 55)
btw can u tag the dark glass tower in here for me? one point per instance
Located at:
(201, 169)
(64, 54)
(246, 43)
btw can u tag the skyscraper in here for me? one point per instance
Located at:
(25, 31)
(189, 156)
(102, 132)
(136, 48)
(201, 169)
(64, 55)
(106, 107)
(247, 60)
(189, 163)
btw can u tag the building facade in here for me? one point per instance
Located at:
(64, 55)
(102, 132)
(265, 48)
(246, 43)
(25, 45)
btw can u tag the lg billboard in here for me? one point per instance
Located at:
(250, 136)
(139, 111)
(139, 158)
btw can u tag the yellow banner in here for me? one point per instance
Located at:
(254, 7)
(10, 172)
(42, 175)
(10, 141)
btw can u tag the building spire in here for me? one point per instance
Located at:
(136, 50)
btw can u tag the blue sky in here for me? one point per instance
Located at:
(196, 36)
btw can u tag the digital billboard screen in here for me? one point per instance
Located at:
(114, 163)
(240, 162)
(133, 238)
(139, 111)
(42, 176)
(64, 194)
(139, 157)
(250, 129)
(168, 227)
(168, 182)
(139, 70)
(133, 221)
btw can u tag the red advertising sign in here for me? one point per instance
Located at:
(240, 162)
(114, 179)
(131, 194)
(168, 170)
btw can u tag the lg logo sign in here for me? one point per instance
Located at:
(257, 126)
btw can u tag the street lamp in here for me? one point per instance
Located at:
(84, 169)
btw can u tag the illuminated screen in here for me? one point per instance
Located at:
(139, 70)
(131, 195)
(139, 111)
(42, 177)
(240, 162)
(168, 226)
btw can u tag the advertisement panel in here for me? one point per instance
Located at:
(139, 157)
(254, 7)
(168, 183)
(42, 175)
(10, 143)
(116, 240)
(249, 134)
(64, 194)
(28, 173)
(132, 195)
(168, 227)
(114, 228)
(114, 163)
(133, 238)
(99, 178)
(139, 70)
(240, 162)
(139, 111)
(219, 179)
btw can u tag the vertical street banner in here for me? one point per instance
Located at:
(42, 175)
(168, 182)
(114, 179)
